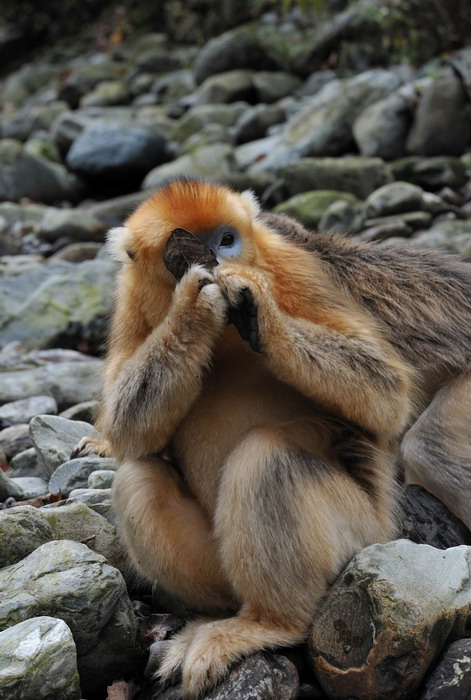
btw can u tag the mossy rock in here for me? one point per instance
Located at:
(309, 207)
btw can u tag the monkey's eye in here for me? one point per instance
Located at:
(227, 240)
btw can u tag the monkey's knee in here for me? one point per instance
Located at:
(286, 526)
(168, 535)
(436, 451)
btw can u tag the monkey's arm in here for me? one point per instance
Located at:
(344, 366)
(148, 395)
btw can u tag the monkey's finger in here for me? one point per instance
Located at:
(249, 302)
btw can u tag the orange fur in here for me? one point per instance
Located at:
(287, 456)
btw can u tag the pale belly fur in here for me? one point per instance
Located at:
(239, 394)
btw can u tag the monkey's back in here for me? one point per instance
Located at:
(421, 297)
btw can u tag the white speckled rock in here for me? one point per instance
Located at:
(66, 579)
(38, 660)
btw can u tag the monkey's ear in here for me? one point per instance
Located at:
(120, 244)
(250, 198)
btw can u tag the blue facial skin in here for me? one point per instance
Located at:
(224, 242)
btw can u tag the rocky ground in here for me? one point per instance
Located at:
(342, 135)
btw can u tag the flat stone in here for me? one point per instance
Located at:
(68, 382)
(384, 230)
(84, 411)
(309, 207)
(413, 219)
(8, 488)
(26, 464)
(394, 198)
(54, 438)
(31, 486)
(101, 479)
(38, 659)
(272, 86)
(215, 161)
(22, 411)
(227, 87)
(262, 676)
(73, 474)
(15, 439)
(202, 115)
(98, 500)
(430, 173)
(358, 175)
(106, 94)
(426, 520)
(77, 224)
(451, 677)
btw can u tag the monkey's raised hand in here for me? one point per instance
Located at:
(244, 316)
(244, 290)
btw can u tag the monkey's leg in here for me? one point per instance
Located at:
(287, 521)
(437, 449)
(168, 535)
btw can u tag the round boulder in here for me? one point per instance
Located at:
(240, 48)
(116, 151)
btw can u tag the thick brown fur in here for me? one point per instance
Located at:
(287, 456)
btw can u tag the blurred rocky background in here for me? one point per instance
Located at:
(353, 117)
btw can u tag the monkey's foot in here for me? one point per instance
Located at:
(170, 668)
(91, 446)
(205, 651)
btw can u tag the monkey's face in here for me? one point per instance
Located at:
(220, 218)
(224, 243)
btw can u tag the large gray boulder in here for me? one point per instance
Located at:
(70, 302)
(387, 617)
(381, 129)
(38, 660)
(358, 175)
(441, 123)
(240, 48)
(116, 151)
(67, 580)
(26, 175)
(323, 127)
(22, 530)
(215, 161)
